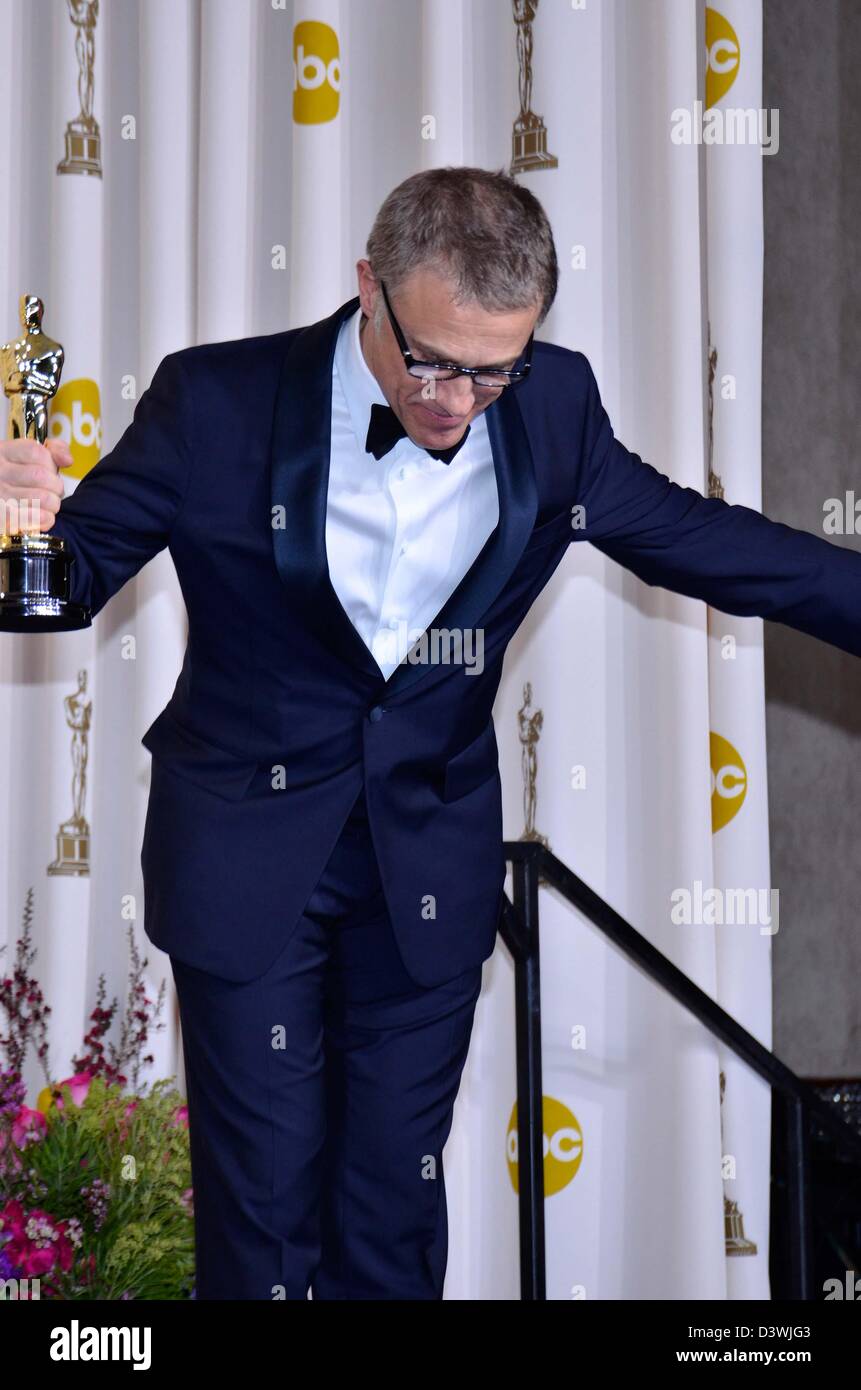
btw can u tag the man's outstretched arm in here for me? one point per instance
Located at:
(732, 557)
(122, 512)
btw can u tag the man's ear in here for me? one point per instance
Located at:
(369, 288)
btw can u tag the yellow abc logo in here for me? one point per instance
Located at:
(316, 73)
(729, 781)
(723, 55)
(75, 416)
(563, 1145)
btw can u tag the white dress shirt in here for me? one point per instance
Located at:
(401, 531)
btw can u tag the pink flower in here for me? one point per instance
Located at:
(34, 1262)
(28, 1127)
(78, 1086)
(180, 1116)
(36, 1242)
(12, 1218)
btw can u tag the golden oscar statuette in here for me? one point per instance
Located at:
(35, 568)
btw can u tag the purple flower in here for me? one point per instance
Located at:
(97, 1197)
(13, 1092)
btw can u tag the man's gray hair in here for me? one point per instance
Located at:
(480, 229)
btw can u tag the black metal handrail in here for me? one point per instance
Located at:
(531, 862)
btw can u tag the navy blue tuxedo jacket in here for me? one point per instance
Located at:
(232, 439)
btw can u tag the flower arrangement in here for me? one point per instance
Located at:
(95, 1178)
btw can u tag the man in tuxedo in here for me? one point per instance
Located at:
(322, 854)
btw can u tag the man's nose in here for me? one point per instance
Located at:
(456, 395)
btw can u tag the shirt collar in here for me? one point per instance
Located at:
(360, 386)
(362, 390)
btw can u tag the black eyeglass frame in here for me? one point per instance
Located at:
(414, 365)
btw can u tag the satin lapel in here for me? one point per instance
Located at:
(495, 562)
(301, 439)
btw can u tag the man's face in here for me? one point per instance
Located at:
(437, 330)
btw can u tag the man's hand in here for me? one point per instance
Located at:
(31, 488)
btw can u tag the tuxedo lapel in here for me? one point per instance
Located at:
(301, 443)
(495, 562)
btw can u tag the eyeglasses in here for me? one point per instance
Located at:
(446, 371)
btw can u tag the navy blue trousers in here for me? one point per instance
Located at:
(320, 1097)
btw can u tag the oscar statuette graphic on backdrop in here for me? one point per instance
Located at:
(73, 836)
(35, 569)
(529, 725)
(83, 138)
(529, 137)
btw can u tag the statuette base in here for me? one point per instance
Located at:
(83, 150)
(73, 850)
(529, 146)
(35, 585)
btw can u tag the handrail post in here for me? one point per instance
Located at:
(532, 862)
(530, 1107)
(798, 1196)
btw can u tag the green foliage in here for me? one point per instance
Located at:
(136, 1233)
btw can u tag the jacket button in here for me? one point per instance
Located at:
(376, 713)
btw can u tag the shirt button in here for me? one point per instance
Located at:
(376, 713)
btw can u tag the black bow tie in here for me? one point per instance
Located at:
(385, 430)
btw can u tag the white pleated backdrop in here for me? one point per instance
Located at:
(220, 215)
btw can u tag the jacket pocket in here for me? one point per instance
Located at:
(473, 765)
(191, 757)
